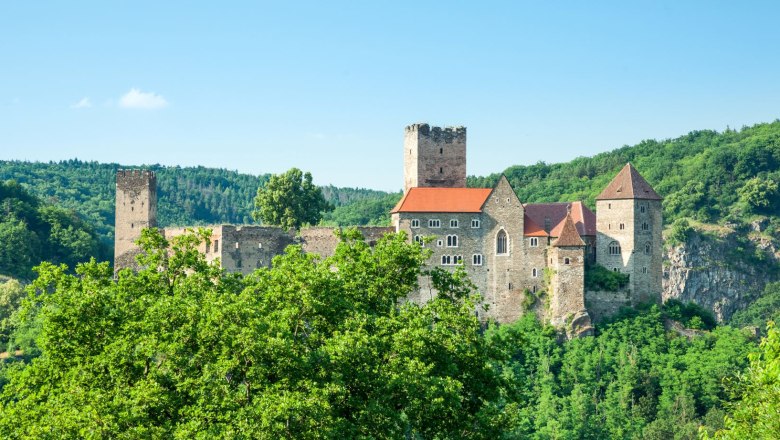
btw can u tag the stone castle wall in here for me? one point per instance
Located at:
(568, 283)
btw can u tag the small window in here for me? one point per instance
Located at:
(453, 223)
(434, 223)
(236, 245)
(446, 260)
(441, 170)
(259, 245)
(475, 223)
(458, 259)
(534, 273)
(501, 243)
(216, 245)
(609, 205)
(439, 243)
(609, 226)
(645, 226)
(208, 247)
(441, 150)
(452, 241)
(644, 270)
(534, 289)
(510, 286)
(132, 226)
(614, 269)
(419, 240)
(415, 223)
(642, 209)
(566, 261)
(614, 248)
(534, 242)
(648, 248)
(476, 259)
(622, 226)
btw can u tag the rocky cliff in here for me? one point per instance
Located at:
(720, 268)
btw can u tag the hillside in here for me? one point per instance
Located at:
(710, 181)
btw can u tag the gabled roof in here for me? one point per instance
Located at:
(584, 219)
(442, 200)
(628, 184)
(569, 235)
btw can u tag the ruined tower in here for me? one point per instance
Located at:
(628, 239)
(434, 157)
(136, 209)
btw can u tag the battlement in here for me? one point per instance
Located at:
(447, 134)
(135, 179)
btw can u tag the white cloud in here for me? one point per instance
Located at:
(144, 100)
(83, 103)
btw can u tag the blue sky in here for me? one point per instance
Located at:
(329, 86)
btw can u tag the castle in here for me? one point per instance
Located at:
(512, 252)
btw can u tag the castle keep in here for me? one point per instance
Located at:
(516, 254)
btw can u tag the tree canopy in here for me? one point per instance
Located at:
(290, 200)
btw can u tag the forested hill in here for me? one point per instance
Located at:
(705, 175)
(709, 176)
(187, 195)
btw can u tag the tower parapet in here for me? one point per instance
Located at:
(434, 156)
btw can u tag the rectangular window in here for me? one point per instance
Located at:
(216, 245)
(458, 259)
(415, 223)
(642, 209)
(446, 260)
(622, 226)
(475, 223)
(434, 223)
(453, 223)
(534, 241)
(476, 259)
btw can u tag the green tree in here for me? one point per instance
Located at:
(11, 294)
(310, 348)
(757, 414)
(290, 200)
(759, 194)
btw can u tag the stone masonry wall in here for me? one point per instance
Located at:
(434, 156)
(136, 209)
(568, 295)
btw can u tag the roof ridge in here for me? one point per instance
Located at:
(628, 184)
(569, 235)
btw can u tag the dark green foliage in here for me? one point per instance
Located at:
(690, 315)
(32, 231)
(632, 381)
(766, 308)
(372, 211)
(598, 277)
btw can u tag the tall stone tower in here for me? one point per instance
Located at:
(136, 209)
(628, 226)
(434, 156)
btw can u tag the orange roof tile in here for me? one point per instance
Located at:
(628, 184)
(443, 200)
(569, 235)
(584, 219)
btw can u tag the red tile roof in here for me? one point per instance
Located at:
(443, 200)
(628, 184)
(569, 235)
(583, 218)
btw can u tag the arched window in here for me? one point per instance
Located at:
(452, 241)
(501, 243)
(648, 248)
(614, 248)
(566, 261)
(418, 239)
(534, 273)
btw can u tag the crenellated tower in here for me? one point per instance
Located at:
(629, 224)
(136, 209)
(434, 157)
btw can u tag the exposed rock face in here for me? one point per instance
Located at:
(720, 273)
